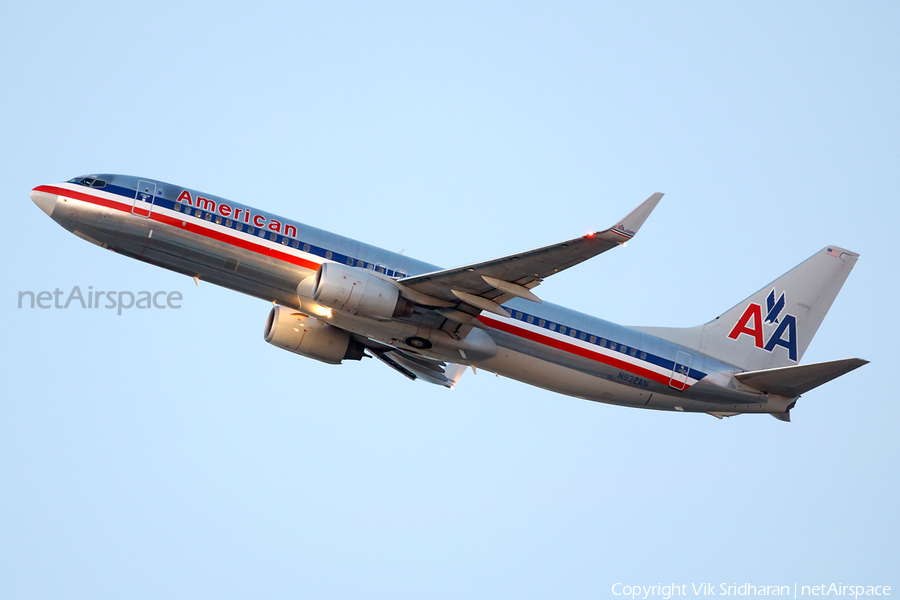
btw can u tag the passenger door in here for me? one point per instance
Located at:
(144, 198)
(679, 377)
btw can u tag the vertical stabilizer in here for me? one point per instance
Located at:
(773, 327)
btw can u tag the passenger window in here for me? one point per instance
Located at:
(261, 233)
(208, 216)
(552, 326)
(218, 220)
(612, 345)
(295, 244)
(573, 333)
(530, 319)
(177, 207)
(306, 247)
(643, 356)
(582, 336)
(562, 328)
(350, 261)
(541, 323)
(518, 315)
(228, 223)
(593, 339)
(633, 352)
(197, 212)
(623, 349)
(284, 241)
(273, 236)
(328, 255)
(602, 342)
(239, 226)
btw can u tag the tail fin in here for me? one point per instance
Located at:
(773, 327)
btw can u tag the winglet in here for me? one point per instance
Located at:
(629, 226)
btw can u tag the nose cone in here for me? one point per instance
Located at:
(46, 202)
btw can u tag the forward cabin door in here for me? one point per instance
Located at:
(143, 198)
(679, 377)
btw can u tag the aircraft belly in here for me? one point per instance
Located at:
(552, 369)
(564, 380)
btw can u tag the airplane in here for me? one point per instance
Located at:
(337, 299)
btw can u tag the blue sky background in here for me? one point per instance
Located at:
(175, 454)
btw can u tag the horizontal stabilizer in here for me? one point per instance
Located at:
(798, 379)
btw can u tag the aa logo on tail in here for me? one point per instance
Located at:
(751, 323)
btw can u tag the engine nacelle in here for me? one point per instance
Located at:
(306, 336)
(358, 292)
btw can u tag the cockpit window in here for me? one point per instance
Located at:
(91, 182)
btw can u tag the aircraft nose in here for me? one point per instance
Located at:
(46, 202)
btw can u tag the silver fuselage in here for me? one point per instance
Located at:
(266, 256)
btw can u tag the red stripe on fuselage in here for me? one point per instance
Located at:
(190, 227)
(308, 264)
(574, 349)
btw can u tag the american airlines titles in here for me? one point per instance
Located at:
(241, 215)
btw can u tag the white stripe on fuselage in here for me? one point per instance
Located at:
(187, 215)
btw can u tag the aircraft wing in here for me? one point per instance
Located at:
(488, 284)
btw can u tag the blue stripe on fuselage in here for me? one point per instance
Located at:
(166, 198)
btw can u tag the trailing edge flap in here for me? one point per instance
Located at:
(798, 379)
(414, 367)
(527, 269)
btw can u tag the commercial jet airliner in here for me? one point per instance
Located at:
(338, 299)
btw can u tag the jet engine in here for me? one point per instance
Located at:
(358, 292)
(293, 331)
